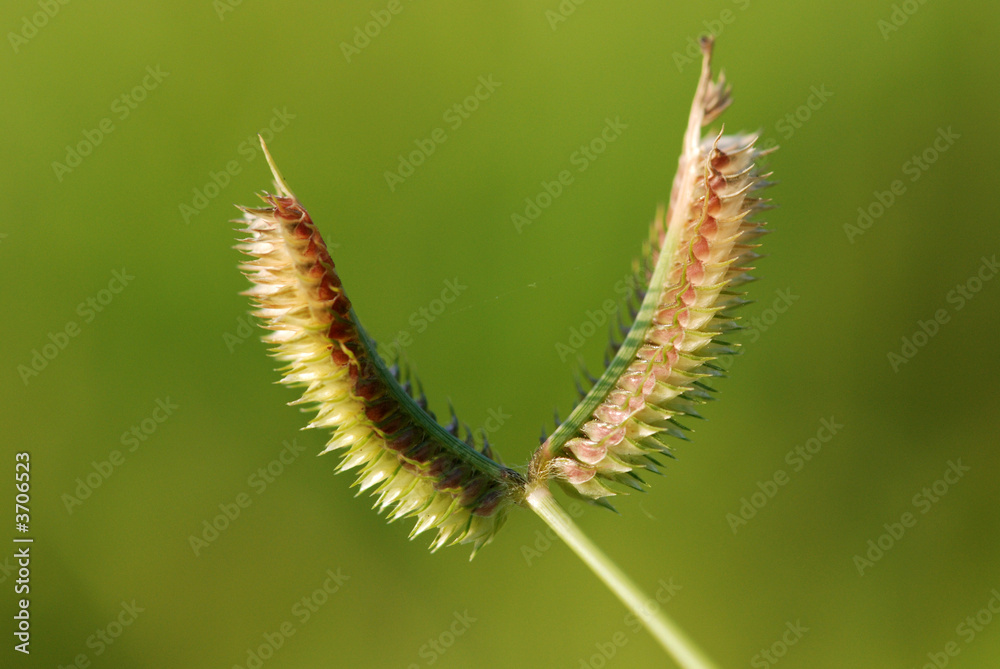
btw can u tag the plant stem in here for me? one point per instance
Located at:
(673, 640)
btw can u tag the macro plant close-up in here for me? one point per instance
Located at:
(686, 285)
(735, 259)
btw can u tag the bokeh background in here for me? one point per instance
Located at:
(165, 100)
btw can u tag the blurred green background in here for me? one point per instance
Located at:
(151, 110)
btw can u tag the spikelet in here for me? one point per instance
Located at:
(414, 466)
(699, 252)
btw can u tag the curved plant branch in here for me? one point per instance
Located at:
(697, 257)
(415, 466)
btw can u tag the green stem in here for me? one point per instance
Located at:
(673, 640)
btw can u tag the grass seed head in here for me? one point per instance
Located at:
(411, 464)
(701, 248)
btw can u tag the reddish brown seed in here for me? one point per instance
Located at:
(696, 272)
(719, 159)
(667, 316)
(708, 228)
(671, 356)
(404, 440)
(316, 271)
(420, 453)
(302, 230)
(716, 181)
(452, 480)
(378, 411)
(472, 490)
(280, 205)
(324, 292)
(324, 257)
(341, 304)
(439, 466)
(689, 296)
(701, 248)
(396, 422)
(714, 205)
(339, 357)
(368, 388)
(488, 504)
(670, 295)
(340, 330)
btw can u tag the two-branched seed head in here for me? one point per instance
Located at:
(698, 255)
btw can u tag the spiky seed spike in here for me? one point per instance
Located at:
(411, 463)
(698, 253)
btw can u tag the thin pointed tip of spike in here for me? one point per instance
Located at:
(607, 505)
(279, 180)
